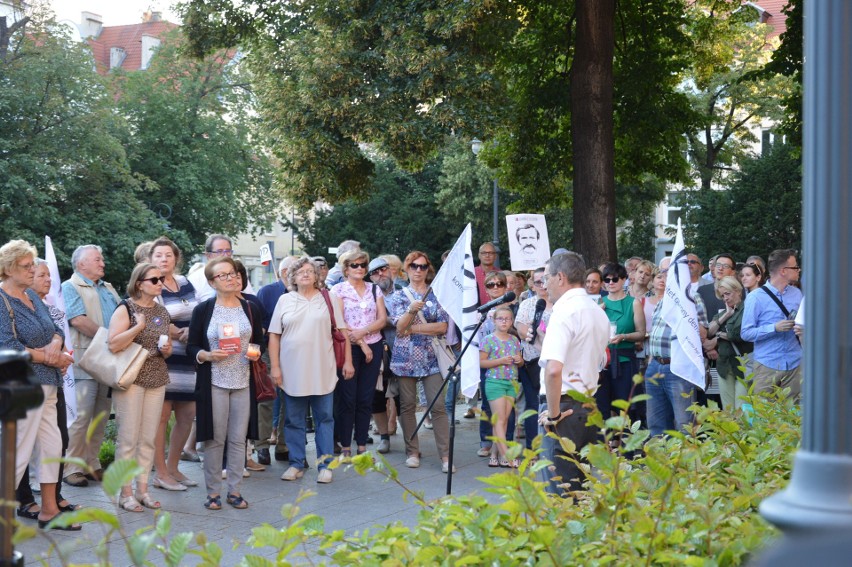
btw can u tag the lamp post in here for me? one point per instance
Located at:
(476, 147)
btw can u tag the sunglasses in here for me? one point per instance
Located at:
(421, 267)
(612, 279)
(492, 285)
(694, 262)
(359, 266)
(154, 280)
(381, 270)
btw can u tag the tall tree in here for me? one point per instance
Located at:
(195, 133)
(63, 170)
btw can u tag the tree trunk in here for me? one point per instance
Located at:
(592, 131)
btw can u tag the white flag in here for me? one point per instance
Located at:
(55, 298)
(456, 290)
(680, 313)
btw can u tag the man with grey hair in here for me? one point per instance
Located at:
(572, 355)
(89, 303)
(216, 246)
(335, 275)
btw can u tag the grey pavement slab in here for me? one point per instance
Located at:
(351, 502)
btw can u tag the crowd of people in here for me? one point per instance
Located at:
(351, 346)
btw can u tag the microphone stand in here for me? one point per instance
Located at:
(454, 376)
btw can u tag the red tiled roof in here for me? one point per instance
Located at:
(129, 38)
(776, 18)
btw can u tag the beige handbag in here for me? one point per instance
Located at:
(116, 370)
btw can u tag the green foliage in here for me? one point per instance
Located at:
(725, 89)
(194, 132)
(760, 211)
(62, 166)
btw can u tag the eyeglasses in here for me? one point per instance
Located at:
(301, 273)
(538, 283)
(613, 279)
(221, 252)
(488, 253)
(154, 280)
(421, 267)
(27, 267)
(695, 262)
(492, 285)
(359, 266)
(503, 319)
(381, 270)
(228, 276)
(797, 268)
(724, 266)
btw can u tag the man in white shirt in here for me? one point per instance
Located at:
(572, 355)
(216, 245)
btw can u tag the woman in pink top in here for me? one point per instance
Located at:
(365, 316)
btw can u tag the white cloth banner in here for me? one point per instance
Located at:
(680, 313)
(456, 290)
(55, 298)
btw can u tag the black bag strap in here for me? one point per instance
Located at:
(776, 300)
(11, 314)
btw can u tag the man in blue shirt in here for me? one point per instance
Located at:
(89, 303)
(768, 319)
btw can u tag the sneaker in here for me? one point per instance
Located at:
(76, 479)
(484, 452)
(384, 446)
(412, 462)
(246, 473)
(190, 457)
(293, 474)
(252, 465)
(428, 423)
(445, 467)
(324, 476)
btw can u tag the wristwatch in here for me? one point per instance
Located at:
(553, 419)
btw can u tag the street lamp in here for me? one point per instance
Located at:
(476, 147)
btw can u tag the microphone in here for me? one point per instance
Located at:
(506, 298)
(539, 311)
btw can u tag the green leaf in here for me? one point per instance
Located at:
(118, 474)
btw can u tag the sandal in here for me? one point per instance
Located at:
(26, 511)
(147, 501)
(69, 507)
(504, 463)
(69, 528)
(213, 503)
(492, 462)
(130, 504)
(237, 501)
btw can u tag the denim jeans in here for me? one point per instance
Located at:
(295, 428)
(485, 429)
(669, 399)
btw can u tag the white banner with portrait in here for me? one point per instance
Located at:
(529, 246)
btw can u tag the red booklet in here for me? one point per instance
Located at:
(229, 338)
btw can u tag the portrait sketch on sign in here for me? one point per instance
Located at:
(529, 246)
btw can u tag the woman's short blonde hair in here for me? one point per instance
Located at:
(395, 264)
(296, 266)
(13, 251)
(352, 257)
(728, 283)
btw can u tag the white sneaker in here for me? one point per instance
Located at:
(224, 474)
(484, 452)
(384, 446)
(293, 474)
(324, 476)
(445, 467)
(412, 462)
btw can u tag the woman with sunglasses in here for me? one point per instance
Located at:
(365, 317)
(141, 320)
(413, 359)
(724, 334)
(179, 299)
(627, 325)
(220, 331)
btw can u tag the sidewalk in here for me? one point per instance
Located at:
(351, 502)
